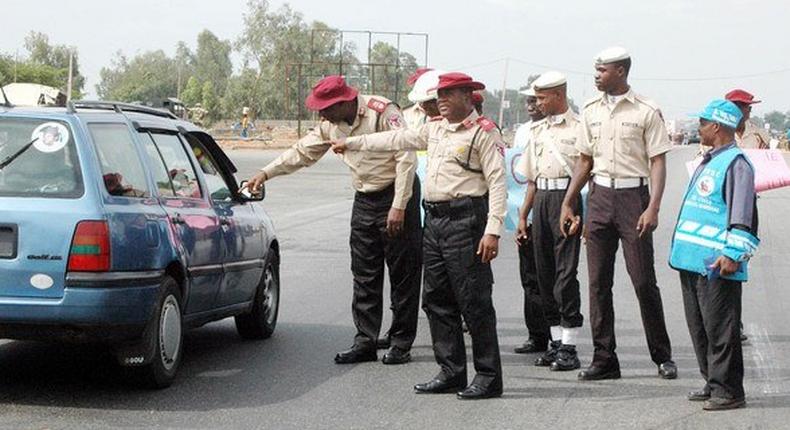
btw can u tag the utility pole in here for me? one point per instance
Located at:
(71, 72)
(502, 99)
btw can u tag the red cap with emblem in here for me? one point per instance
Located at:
(416, 75)
(328, 91)
(741, 96)
(458, 80)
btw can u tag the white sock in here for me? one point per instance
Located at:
(569, 335)
(556, 332)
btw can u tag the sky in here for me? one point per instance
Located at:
(684, 52)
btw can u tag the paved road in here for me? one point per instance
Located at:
(291, 382)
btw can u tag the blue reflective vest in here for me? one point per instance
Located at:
(701, 233)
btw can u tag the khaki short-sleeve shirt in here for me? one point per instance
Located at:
(370, 171)
(552, 152)
(622, 134)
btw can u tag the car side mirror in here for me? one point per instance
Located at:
(246, 195)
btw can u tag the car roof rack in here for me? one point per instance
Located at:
(118, 107)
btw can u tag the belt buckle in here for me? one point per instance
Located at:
(554, 182)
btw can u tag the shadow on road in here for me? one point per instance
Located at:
(219, 371)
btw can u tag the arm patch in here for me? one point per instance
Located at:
(377, 105)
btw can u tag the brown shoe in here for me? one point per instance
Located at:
(722, 404)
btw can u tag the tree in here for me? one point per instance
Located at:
(56, 58)
(193, 93)
(390, 72)
(148, 78)
(210, 101)
(212, 60)
(777, 120)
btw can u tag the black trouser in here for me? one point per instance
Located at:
(713, 313)
(557, 260)
(370, 248)
(458, 284)
(534, 318)
(612, 218)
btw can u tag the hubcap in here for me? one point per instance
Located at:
(170, 332)
(270, 293)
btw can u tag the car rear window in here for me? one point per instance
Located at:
(38, 158)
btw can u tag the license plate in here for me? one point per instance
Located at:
(8, 240)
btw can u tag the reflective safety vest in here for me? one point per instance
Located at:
(701, 233)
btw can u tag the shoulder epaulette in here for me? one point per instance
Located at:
(593, 100)
(377, 105)
(486, 124)
(646, 101)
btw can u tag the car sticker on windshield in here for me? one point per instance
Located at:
(50, 137)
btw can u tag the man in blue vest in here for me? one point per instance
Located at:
(714, 239)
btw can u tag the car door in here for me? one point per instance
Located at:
(242, 231)
(194, 222)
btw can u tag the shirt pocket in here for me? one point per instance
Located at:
(632, 135)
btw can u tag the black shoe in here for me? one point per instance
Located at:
(384, 341)
(668, 370)
(477, 391)
(595, 373)
(530, 346)
(699, 396)
(567, 359)
(440, 384)
(396, 356)
(721, 404)
(355, 355)
(549, 356)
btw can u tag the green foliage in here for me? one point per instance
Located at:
(210, 101)
(212, 60)
(193, 93)
(777, 120)
(148, 77)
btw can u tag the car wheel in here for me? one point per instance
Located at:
(260, 322)
(168, 338)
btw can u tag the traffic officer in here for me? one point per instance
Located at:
(534, 318)
(748, 135)
(624, 141)
(714, 239)
(465, 205)
(549, 160)
(385, 220)
(415, 114)
(423, 110)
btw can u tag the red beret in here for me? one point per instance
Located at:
(741, 96)
(458, 80)
(416, 75)
(328, 91)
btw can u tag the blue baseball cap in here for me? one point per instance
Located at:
(722, 111)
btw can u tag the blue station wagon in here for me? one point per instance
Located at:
(124, 225)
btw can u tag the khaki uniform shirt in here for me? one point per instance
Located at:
(448, 146)
(753, 137)
(415, 116)
(622, 136)
(522, 140)
(370, 171)
(552, 134)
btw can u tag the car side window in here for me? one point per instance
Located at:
(217, 186)
(158, 168)
(121, 168)
(179, 168)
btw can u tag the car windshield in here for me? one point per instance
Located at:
(38, 159)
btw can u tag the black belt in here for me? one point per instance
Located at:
(454, 208)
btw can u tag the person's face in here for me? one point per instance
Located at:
(454, 103)
(607, 76)
(430, 107)
(707, 131)
(49, 138)
(532, 109)
(746, 110)
(548, 101)
(336, 113)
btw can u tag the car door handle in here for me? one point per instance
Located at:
(223, 220)
(178, 219)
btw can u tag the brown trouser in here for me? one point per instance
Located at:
(613, 216)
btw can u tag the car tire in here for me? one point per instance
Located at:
(167, 338)
(260, 322)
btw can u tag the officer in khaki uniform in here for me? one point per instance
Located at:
(624, 141)
(465, 205)
(534, 318)
(385, 222)
(748, 135)
(548, 161)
